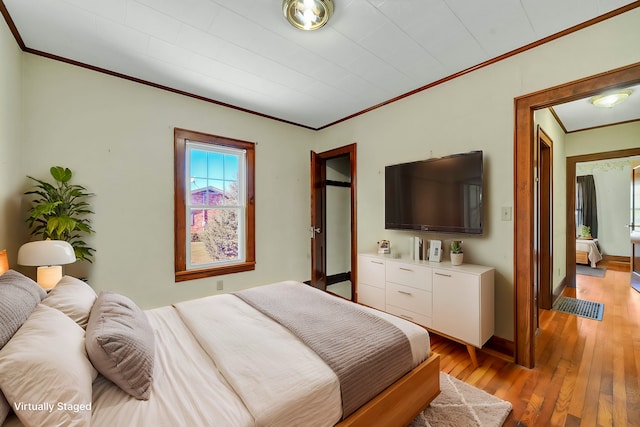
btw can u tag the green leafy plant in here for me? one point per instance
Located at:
(60, 212)
(585, 231)
(456, 246)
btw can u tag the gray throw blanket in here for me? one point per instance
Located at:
(367, 353)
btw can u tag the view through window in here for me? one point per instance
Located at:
(214, 205)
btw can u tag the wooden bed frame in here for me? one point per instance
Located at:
(399, 404)
(582, 257)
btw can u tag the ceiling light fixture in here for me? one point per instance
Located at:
(307, 14)
(609, 100)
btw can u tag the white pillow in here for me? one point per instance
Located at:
(47, 375)
(74, 298)
(5, 408)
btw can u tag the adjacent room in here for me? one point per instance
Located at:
(319, 212)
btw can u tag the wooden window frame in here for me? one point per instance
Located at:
(181, 136)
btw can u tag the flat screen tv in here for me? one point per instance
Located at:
(436, 195)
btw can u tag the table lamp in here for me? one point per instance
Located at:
(48, 256)
(4, 261)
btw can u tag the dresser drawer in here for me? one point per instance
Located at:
(371, 271)
(410, 316)
(408, 298)
(407, 274)
(371, 296)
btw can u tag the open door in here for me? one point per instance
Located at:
(318, 230)
(544, 222)
(318, 222)
(634, 227)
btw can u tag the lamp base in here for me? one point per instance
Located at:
(49, 276)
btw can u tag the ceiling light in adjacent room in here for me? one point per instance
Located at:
(307, 14)
(609, 100)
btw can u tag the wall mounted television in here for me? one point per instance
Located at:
(441, 194)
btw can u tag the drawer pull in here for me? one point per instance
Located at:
(405, 293)
(377, 262)
(442, 274)
(406, 269)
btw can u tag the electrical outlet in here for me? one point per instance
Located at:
(505, 213)
(219, 285)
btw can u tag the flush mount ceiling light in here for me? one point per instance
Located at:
(307, 14)
(609, 100)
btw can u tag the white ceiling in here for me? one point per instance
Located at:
(581, 114)
(243, 52)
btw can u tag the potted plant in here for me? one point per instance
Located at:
(585, 232)
(60, 212)
(456, 252)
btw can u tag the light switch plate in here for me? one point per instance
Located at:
(505, 213)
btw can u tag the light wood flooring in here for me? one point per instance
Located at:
(587, 371)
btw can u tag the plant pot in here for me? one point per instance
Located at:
(456, 259)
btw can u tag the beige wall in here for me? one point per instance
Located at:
(612, 138)
(117, 137)
(475, 111)
(10, 139)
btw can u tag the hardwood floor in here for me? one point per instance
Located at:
(587, 371)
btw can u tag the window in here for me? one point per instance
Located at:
(214, 205)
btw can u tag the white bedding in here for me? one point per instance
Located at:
(220, 362)
(592, 248)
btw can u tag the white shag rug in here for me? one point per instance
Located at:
(462, 405)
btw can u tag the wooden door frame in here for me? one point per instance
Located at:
(524, 145)
(347, 150)
(545, 227)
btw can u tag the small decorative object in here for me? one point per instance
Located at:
(384, 247)
(585, 232)
(435, 250)
(4, 261)
(456, 252)
(60, 212)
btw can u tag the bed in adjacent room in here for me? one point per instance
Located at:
(587, 252)
(266, 356)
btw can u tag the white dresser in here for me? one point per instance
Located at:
(454, 301)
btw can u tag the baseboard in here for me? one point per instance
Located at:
(559, 290)
(337, 278)
(616, 258)
(500, 347)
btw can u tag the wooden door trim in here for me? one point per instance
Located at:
(524, 144)
(351, 151)
(545, 175)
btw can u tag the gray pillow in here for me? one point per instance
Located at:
(120, 344)
(19, 296)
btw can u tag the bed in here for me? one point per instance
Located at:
(587, 252)
(224, 360)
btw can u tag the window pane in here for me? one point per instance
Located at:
(231, 191)
(198, 164)
(214, 236)
(215, 165)
(231, 167)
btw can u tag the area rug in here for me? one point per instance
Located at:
(585, 270)
(579, 307)
(462, 405)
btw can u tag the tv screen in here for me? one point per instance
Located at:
(441, 195)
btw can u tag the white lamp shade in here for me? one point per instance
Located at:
(46, 252)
